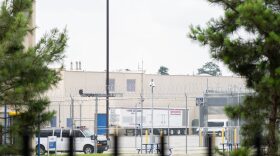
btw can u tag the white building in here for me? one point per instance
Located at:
(170, 90)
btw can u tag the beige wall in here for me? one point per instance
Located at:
(169, 90)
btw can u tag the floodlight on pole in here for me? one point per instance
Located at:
(152, 85)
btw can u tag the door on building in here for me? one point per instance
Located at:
(101, 124)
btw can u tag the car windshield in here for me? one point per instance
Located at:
(215, 124)
(87, 132)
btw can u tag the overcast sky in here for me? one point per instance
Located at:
(152, 30)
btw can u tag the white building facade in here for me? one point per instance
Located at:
(178, 92)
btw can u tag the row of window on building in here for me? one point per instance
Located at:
(53, 122)
(130, 85)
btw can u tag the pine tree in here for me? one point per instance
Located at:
(247, 39)
(163, 70)
(210, 68)
(25, 74)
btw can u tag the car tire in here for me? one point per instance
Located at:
(42, 150)
(88, 149)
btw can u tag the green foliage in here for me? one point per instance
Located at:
(247, 40)
(210, 68)
(239, 152)
(25, 72)
(163, 70)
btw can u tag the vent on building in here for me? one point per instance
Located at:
(78, 65)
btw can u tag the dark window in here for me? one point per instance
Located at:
(57, 133)
(46, 133)
(65, 133)
(112, 85)
(215, 124)
(78, 133)
(130, 85)
(53, 122)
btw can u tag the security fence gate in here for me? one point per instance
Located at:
(211, 108)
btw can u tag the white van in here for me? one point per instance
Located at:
(215, 126)
(84, 140)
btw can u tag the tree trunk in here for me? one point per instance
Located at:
(272, 138)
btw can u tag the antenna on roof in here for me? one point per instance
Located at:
(80, 65)
(77, 68)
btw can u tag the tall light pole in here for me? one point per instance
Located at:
(107, 69)
(152, 85)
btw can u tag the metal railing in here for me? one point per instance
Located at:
(161, 148)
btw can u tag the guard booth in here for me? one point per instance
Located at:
(211, 107)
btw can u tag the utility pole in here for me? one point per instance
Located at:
(72, 117)
(39, 136)
(187, 123)
(141, 100)
(5, 124)
(136, 125)
(168, 126)
(80, 115)
(238, 101)
(72, 111)
(95, 123)
(59, 116)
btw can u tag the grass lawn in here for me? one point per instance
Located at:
(82, 154)
(93, 154)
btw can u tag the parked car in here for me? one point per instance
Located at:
(84, 140)
(214, 126)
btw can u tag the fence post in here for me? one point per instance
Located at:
(162, 148)
(235, 138)
(223, 139)
(200, 137)
(258, 145)
(1, 134)
(214, 138)
(116, 143)
(146, 136)
(209, 145)
(71, 145)
(26, 142)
